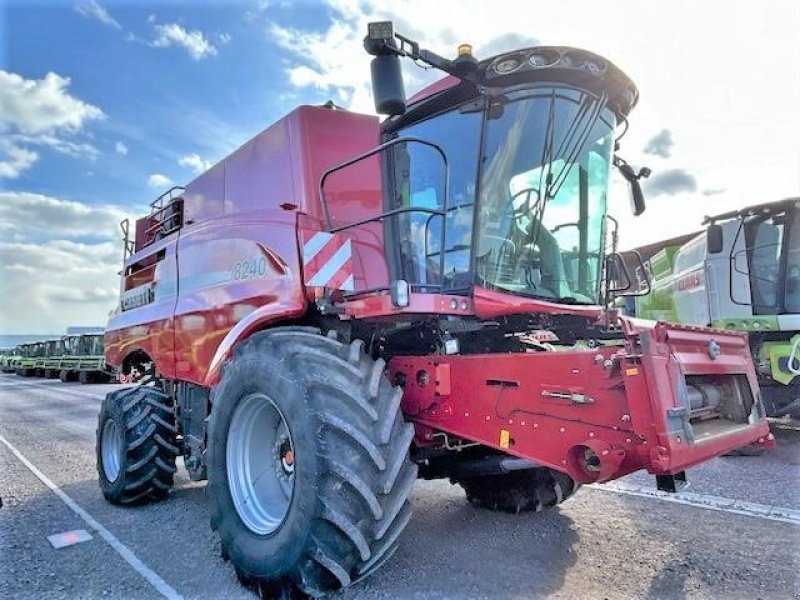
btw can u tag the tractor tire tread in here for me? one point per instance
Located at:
(362, 443)
(147, 466)
(530, 490)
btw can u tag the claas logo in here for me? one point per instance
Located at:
(689, 282)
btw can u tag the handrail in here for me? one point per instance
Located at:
(396, 211)
(793, 358)
(160, 199)
(376, 150)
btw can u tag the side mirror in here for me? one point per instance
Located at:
(387, 85)
(632, 177)
(637, 197)
(714, 238)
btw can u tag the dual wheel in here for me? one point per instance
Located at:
(307, 460)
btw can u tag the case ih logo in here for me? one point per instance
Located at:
(327, 261)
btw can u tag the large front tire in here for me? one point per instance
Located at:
(331, 409)
(136, 445)
(520, 491)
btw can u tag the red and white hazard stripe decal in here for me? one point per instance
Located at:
(327, 261)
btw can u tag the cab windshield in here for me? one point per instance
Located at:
(773, 257)
(542, 200)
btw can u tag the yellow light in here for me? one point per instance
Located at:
(464, 49)
(505, 439)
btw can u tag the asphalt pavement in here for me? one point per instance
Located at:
(735, 535)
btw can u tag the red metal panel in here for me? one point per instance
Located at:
(204, 198)
(238, 254)
(668, 352)
(380, 305)
(550, 407)
(328, 138)
(490, 304)
(434, 88)
(229, 268)
(259, 175)
(150, 327)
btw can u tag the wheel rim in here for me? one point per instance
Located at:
(260, 464)
(111, 445)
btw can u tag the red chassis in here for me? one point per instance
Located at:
(596, 413)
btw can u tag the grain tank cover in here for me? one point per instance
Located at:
(281, 166)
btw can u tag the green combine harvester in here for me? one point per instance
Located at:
(71, 358)
(7, 358)
(29, 356)
(743, 273)
(83, 359)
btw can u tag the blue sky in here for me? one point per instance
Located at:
(103, 104)
(160, 103)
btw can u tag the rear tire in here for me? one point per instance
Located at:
(520, 491)
(136, 445)
(66, 376)
(348, 502)
(85, 377)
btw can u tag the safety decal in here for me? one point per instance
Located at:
(327, 261)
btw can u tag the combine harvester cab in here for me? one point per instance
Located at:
(741, 274)
(30, 359)
(358, 303)
(54, 357)
(84, 360)
(9, 361)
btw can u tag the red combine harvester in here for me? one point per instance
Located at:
(343, 305)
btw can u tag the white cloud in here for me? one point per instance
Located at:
(15, 159)
(42, 105)
(334, 60)
(194, 42)
(81, 285)
(157, 180)
(25, 216)
(94, 10)
(40, 112)
(194, 162)
(224, 38)
(121, 148)
(74, 149)
(78, 247)
(727, 140)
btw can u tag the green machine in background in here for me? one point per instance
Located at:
(742, 272)
(83, 359)
(71, 358)
(28, 358)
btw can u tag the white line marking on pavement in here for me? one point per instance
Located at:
(54, 387)
(729, 505)
(153, 579)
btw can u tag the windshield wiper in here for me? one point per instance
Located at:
(571, 146)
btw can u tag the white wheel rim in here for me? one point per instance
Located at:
(260, 464)
(111, 449)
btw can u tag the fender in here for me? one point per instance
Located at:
(259, 319)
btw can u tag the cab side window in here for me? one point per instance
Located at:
(419, 182)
